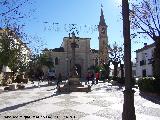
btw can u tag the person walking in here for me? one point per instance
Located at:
(59, 80)
(92, 77)
(97, 77)
(87, 77)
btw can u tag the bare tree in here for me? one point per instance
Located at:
(116, 56)
(145, 19)
(13, 11)
(14, 14)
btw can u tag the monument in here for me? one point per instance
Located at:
(73, 84)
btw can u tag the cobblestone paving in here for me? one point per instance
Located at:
(68, 114)
(149, 111)
(67, 103)
(101, 103)
(66, 97)
(105, 102)
(110, 114)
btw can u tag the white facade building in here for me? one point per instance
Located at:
(144, 59)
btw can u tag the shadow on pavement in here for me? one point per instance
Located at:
(26, 103)
(154, 99)
(109, 87)
(31, 87)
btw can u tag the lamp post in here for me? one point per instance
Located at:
(67, 66)
(128, 106)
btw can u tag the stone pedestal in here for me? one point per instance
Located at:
(12, 86)
(74, 85)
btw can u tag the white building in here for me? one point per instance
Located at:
(144, 58)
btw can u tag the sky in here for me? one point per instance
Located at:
(84, 13)
(81, 12)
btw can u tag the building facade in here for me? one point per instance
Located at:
(85, 57)
(144, 60)
(62, 57)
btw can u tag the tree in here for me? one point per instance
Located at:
(45, 60)
(145, 19)
(107, 69)
(38, 61)
(11, 52)
(13, 12)
(14, 15)
(115, 56)
(128, 106)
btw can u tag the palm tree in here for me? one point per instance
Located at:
(128, 106)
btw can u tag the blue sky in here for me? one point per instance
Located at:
(81, 12)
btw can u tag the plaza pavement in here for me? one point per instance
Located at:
(104, 102)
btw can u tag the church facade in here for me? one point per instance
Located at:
(85, 57)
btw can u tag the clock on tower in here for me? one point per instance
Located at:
(103, 30)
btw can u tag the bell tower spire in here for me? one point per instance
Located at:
(103, 39)
(102, 20)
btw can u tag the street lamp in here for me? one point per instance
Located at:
(128, 106)
(67, 66)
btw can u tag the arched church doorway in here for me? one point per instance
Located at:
(78, 69)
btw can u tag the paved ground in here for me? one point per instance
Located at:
(105, 102)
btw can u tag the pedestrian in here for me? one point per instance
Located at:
(97, 77)
(92, 77)
(59, 80)
(87, 77)
(40, 75)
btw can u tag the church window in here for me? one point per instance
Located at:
(56, 61)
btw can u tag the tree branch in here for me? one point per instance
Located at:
(151, 13)
(158, 18)
(145, 31)
(4, 13)
(139, 17)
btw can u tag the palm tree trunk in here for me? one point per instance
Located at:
(128, 106)
(115, 69)
(122, 70)
(157, 58)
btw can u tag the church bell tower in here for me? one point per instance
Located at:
(103, 40)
